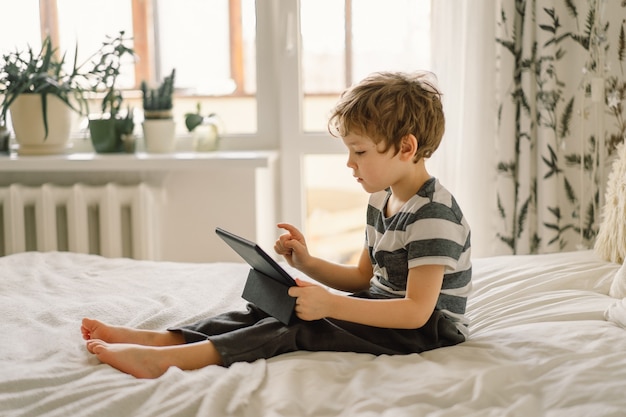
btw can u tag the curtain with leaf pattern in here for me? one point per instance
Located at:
(561, 98)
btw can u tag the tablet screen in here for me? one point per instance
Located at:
(256, 257)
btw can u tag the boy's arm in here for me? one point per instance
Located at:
(349, 278)
(411, 312)
(292, 246)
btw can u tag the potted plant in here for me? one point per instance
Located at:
(158, 126)
(41, 96)
(107, 129)
(204, 129)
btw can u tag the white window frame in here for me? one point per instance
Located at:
(294, 143)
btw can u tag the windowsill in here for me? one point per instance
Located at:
(139, 161)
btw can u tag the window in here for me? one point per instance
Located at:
(212, 46)
(210, 43)
(271, 70)
(77, 28)
(21, 27)
(342, 42)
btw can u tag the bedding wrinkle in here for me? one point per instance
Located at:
(566, 369)
(618, 284)
(206, 392)
(616, 313)
(79, 393)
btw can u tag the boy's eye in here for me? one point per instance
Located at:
(359, 152)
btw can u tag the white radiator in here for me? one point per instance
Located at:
(110, 220)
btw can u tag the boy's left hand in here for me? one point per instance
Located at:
(313, 302)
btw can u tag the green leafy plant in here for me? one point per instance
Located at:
(106, 64)
(30, 72)
(105, 68)
(193, 120)
(158, 102)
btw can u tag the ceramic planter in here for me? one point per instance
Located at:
(105, 136)
(159, 135)
(205, 138)
(28, 124)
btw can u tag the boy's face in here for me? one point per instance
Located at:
(375, 171)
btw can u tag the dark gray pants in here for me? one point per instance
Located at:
(245, 336)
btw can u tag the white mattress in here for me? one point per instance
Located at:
(540, 346)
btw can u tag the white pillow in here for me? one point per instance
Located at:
(618, 287)
(611, 240)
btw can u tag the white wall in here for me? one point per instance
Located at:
(241, 200)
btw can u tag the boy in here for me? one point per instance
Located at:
(409, 288)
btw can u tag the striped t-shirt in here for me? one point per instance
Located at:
(430, 229)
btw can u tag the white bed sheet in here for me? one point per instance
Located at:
(540, 346)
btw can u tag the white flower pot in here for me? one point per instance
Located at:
(159, 135)
(205, 138)
(28, 125)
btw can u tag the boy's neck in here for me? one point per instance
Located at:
(405, 189)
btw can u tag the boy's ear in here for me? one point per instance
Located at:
(408, 147)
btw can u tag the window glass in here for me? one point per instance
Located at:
(323, 46)
(212, 46)
(322, 27)
(22, 28)
(78, 27)
(344, 41)
(390, 36)
(195, 40)
(336, 207)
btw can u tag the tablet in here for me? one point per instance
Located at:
(267, 286)
(256, 257)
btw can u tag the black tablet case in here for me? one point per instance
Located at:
(267, 284)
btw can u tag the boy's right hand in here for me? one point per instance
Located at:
(292, 246)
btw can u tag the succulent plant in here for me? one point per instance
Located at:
(158, 102)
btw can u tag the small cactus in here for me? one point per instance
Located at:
(157, 102)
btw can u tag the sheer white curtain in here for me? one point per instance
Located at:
(463, 33)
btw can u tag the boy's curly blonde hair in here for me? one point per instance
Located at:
(387, 106)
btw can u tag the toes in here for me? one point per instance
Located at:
(89, 323)
(96, 346)
(85, 332)
(89, 345)
(89, 327)
(85, 328)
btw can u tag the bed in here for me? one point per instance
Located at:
(546, 340)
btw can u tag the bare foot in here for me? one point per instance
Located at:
(95, 329)
(153, 361)
(138, 361)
